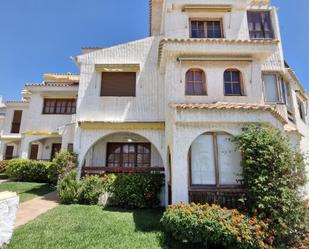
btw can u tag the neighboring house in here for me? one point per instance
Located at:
(169, 102)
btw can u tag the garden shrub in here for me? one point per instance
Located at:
(63, 163)
(273, 176)
(3, 166)
(130, 191)
(68, 188)
(137, 190)
(25, 170)
(91, 187)
(215, 226)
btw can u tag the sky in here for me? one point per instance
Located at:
(40, 36)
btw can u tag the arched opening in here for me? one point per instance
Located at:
(195, 82)
(233, 83)
(215, 169)
(122, 153)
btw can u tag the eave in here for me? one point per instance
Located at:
(261, 49)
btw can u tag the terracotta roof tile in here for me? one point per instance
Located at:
(231, 106)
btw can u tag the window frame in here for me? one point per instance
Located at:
(217, 184)
(56, 106)
(136, 153)
(262, 25)
(242, 91)
(279, 80)
(204, 82)
(301, 107)
(205, 20)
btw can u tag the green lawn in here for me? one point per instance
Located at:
(26, 190)
(91, 227)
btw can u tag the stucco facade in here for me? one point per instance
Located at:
(161, 112)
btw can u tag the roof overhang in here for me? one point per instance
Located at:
(216, 48)
(207, 8)
(222, 106)
(121, 125)
(115, 68)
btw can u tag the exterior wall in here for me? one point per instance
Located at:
(37, 121)
(177, 21)
(7, 125)
(148, 103)
(96, 155)
(251, 74)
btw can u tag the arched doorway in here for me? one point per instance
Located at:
(122, 152)
(215, 169)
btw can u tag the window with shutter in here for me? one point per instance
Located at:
(16, 122)
(118, 84)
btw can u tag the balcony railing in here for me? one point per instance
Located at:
(91, 170)
(225, 197)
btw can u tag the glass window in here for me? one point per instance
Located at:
(232, 82)
(202, 161)
(259, 24)
(59, 106)
(195, 82)
(206, 29)
(301, 109)
(271, 88)
(129, 154)
(215, 154)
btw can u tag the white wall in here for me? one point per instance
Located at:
(148, 103)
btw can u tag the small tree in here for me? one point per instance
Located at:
(62, 164)
(273, 176)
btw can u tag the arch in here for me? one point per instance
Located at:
(214, 160)
(96, 140)
(195, 82)
(233, 82)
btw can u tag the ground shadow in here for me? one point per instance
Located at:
(148, 220)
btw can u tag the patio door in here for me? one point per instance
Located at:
(34, 152)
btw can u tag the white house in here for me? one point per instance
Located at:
(169, 102)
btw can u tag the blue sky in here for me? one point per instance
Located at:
(39, 36)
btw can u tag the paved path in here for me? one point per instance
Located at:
(31, 209)
(3, 180)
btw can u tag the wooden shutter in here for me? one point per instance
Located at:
(118, 84)
(9, 152)
(16, 121)
(34, 151)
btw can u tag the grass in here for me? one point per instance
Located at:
(92, 227)
(26, 190)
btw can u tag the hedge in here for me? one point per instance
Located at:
(128, 191)
(212, 226)
(25, 170)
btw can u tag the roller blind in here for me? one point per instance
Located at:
(118, 84)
